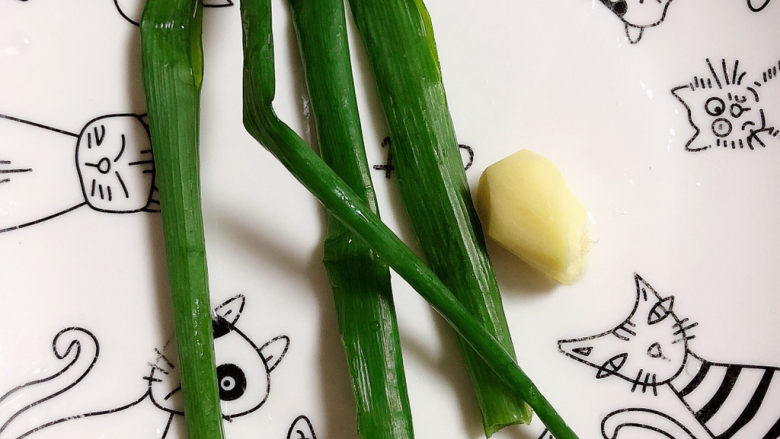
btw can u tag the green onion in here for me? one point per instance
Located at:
(359, 279)
(342, 202)
(172, 72)
(402, 52)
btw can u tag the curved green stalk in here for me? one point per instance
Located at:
(262, 123)
(359, 279)
(172, 71)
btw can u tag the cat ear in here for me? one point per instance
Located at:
(644, 291)
(634, 33)
(231, 309)
(274, 350)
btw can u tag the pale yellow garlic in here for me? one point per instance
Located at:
(526, 207)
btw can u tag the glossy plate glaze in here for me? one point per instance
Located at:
(662, 115)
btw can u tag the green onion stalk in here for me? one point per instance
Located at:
(360, 280)
(402, 52)
(342, 202)
(172, 58)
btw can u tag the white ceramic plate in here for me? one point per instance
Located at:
(559, 77)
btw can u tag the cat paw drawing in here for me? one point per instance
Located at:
(638, 15)
(725, 107)
(243, 373)
(650, 351)
(46, 172)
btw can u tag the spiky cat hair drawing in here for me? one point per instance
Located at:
(650, 350)
(243, 371)
(726, 107)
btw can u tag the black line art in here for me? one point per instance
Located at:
(637, 15)
(546, 435)
(243, 380)
(388, 166)
(46, 172)
(725, 107)
(301, 428)
(757, 5)
(650, 350)
(131, 10)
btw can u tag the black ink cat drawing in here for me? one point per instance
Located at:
(46, 172)
(726, 108)
(131, 9)
(638, 15)
(650, 350)
(243, 371)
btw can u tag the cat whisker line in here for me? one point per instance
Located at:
(734, 77)
(156, 367)
(166, 397)
(714, 75)
(690, 337)
(151, 379)
(160, 356)
(681, 322)
(725, 72)
(140, 162)
(636, 380)
(622, 337)
(655, 385)
(122, 183)
(682, 330)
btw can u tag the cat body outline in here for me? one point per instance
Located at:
(650, 349)
(242, 389)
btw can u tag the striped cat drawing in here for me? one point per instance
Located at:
(650, 349)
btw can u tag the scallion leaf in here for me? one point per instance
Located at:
(359, 279)
(172, 73)
(342, 202)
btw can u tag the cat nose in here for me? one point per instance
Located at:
(654, 351)
(737, 110)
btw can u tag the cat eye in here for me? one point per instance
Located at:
(231, 380)
(715, 106)
(611, 366)
(660, 311)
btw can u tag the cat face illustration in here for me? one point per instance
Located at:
(647, 349)
(638, 14)
(115, 164)
(48, 172)
(243, 369)
(724, 112)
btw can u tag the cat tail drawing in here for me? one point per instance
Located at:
(76, 350)
(642, 419)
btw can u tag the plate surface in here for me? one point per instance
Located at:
(663, 117)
